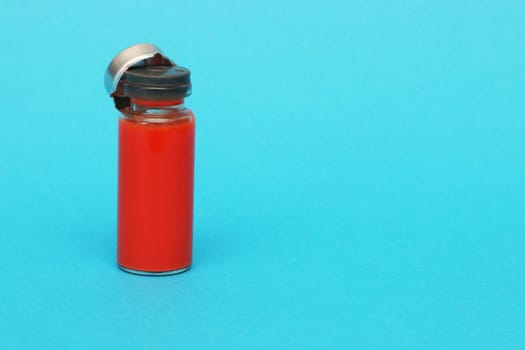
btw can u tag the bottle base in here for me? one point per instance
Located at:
(154, 273)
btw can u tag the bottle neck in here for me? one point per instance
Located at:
(154, 103)
(154, 111)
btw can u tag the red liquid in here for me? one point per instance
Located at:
(155, 194)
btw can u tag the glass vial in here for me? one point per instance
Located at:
(155, 170)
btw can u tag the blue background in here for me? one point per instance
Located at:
(359, 176)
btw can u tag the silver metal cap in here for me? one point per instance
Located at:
(134, 56)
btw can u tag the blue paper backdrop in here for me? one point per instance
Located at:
(359, 176)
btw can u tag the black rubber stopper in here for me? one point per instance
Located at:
(157, 83)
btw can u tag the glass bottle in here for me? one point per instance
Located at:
(155, 167)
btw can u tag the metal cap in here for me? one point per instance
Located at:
(138, 55)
